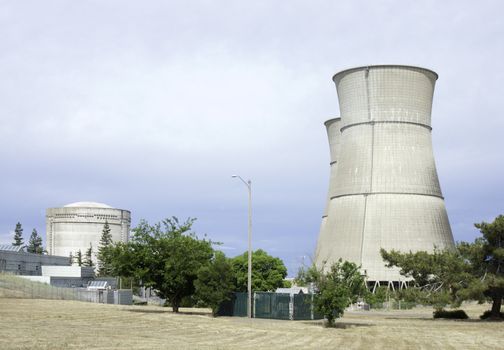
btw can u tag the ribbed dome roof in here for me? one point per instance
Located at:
(87, 205)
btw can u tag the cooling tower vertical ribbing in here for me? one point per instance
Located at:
(333, 133)
(386, 189)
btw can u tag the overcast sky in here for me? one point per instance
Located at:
(151, 106)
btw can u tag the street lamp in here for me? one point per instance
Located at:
(249, 274)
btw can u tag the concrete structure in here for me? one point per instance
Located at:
(384, 192)
(333, 127)
(64, 276)
(14, 260)
(75, 226)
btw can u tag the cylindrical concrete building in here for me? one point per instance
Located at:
(75, 226)
(386, 192)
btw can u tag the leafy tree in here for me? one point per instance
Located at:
(486, 255)
(268, 272)
(380, 296)
(472, 271)
(215, 282)
(88, 257)
(166, 256)
(104, 263)
(78, 258)
(336, 289)
(439, 277)
(35, 243)
(286, 284)
(18, 235)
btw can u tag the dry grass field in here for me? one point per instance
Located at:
(62, 324)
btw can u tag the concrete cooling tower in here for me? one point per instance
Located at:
(77, 225)
(333, 133)
(384, 189)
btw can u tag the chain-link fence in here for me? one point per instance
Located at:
(16, 287)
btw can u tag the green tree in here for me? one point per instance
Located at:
(486, 255)
(471, 271)
(286, 284)
(215, 282)
(268, 272)
(104, 263)
(439, 277)
(88, 257)
(78, 258)
(35, 243)
(165, 256)
(335, 289)
(18, 235)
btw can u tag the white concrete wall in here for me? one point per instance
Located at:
(333, 134)
(67, 271)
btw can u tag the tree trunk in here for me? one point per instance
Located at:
(175, 305)
(496, 307)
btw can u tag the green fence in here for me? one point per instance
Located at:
(281, 306)
(272, 305)
(237, 306)
(303, 306)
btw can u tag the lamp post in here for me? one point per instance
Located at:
(249, 274)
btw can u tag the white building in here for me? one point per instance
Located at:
(76, 226)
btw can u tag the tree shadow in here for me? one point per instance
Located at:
(338, 324)
(147, 311)
(469, 320)
(182, 312)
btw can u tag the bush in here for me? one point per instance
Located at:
(377, 298)
(488, 313)
(455, 314)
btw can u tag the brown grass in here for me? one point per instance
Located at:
(62, 324)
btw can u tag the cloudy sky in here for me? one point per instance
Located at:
(150, 106)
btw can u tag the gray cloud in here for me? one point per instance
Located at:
(151, 106)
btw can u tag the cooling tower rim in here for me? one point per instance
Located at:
(349, 70)
(332, 120)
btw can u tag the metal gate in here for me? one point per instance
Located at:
(303, 307)
(272, 305)
(236, 306)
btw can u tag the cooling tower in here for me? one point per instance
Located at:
(384, 190)
(333, 133)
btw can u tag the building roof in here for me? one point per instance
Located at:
(11, 248)
(292, 290)
(87, 205)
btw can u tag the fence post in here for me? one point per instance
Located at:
(291, 307)
(254, 304)
(312, 315)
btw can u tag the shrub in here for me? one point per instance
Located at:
(454, 314)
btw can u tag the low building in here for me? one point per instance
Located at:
(16, 261)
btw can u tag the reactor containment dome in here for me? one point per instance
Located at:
(384, 190)
(77, 226)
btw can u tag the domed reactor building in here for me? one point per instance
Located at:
(384, 190)
(78, 225)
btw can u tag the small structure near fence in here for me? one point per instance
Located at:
(281, 306)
